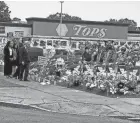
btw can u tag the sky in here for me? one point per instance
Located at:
(87, 10)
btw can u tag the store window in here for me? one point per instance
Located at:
(35, 42)
(122, 43)
(49, 42)
(55, 43)
(81, 45)
(73, 45)
(2, 29)
(63, 43)
(42, 43)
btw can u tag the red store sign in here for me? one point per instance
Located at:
(80, 30)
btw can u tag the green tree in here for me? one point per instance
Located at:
(57, 16)
(131, 23)
(4, 12)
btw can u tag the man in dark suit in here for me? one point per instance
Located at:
(24, 61)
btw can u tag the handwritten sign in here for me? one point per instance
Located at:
(43, 60)
(19, 34)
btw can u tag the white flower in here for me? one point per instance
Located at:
(113, 90)
(68, 72)
(43, 83)
(76, 72)
(93, 85)
(34, 69)
(78, 67)
(88, 84)
(65, 78)
(122, 90)
(60, 61)
(102, 86)
(125, 92)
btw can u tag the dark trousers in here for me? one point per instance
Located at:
(8, 69)
(24, 68)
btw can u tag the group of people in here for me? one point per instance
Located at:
(17, 60)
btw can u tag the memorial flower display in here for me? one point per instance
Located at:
(111, 78)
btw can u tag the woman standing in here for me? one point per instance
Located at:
(15, 62)
(16, 74)
(8, 59)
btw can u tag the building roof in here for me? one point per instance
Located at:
(15, 24)
(79, 22)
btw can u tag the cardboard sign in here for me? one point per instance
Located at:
(42, 60)
(122, 70)
(138, 63)
(135, 71)
(111, 69)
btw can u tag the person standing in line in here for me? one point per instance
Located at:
(24, 61)
(16, 74)
(8, 59)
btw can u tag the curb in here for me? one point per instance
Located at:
(126, 118)
(13, 105)
(33, 107)
(38, 108)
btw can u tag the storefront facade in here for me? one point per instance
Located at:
(77, 31)
(134, 34)
(15, 29)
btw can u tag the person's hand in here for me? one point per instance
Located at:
(11, 59)
(14, 58)
(85, 62)
(22, 63)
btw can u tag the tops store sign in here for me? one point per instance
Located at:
(87, 31)
(80, 30)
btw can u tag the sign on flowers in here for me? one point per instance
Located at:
(43, 60)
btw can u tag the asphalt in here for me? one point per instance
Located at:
(15, 115)
(64, 100)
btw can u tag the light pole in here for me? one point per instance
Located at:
(61, 17)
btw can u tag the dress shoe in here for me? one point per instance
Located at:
(26, 80)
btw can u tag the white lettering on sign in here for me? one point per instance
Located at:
(87, 31)
(78, 28)
(43, 60)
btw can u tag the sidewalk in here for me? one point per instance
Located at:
(65, 100)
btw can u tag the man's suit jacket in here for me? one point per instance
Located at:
(24, 55)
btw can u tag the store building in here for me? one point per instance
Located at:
(16, 30)
(46, 32)
(75, 31)
(134, 34)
